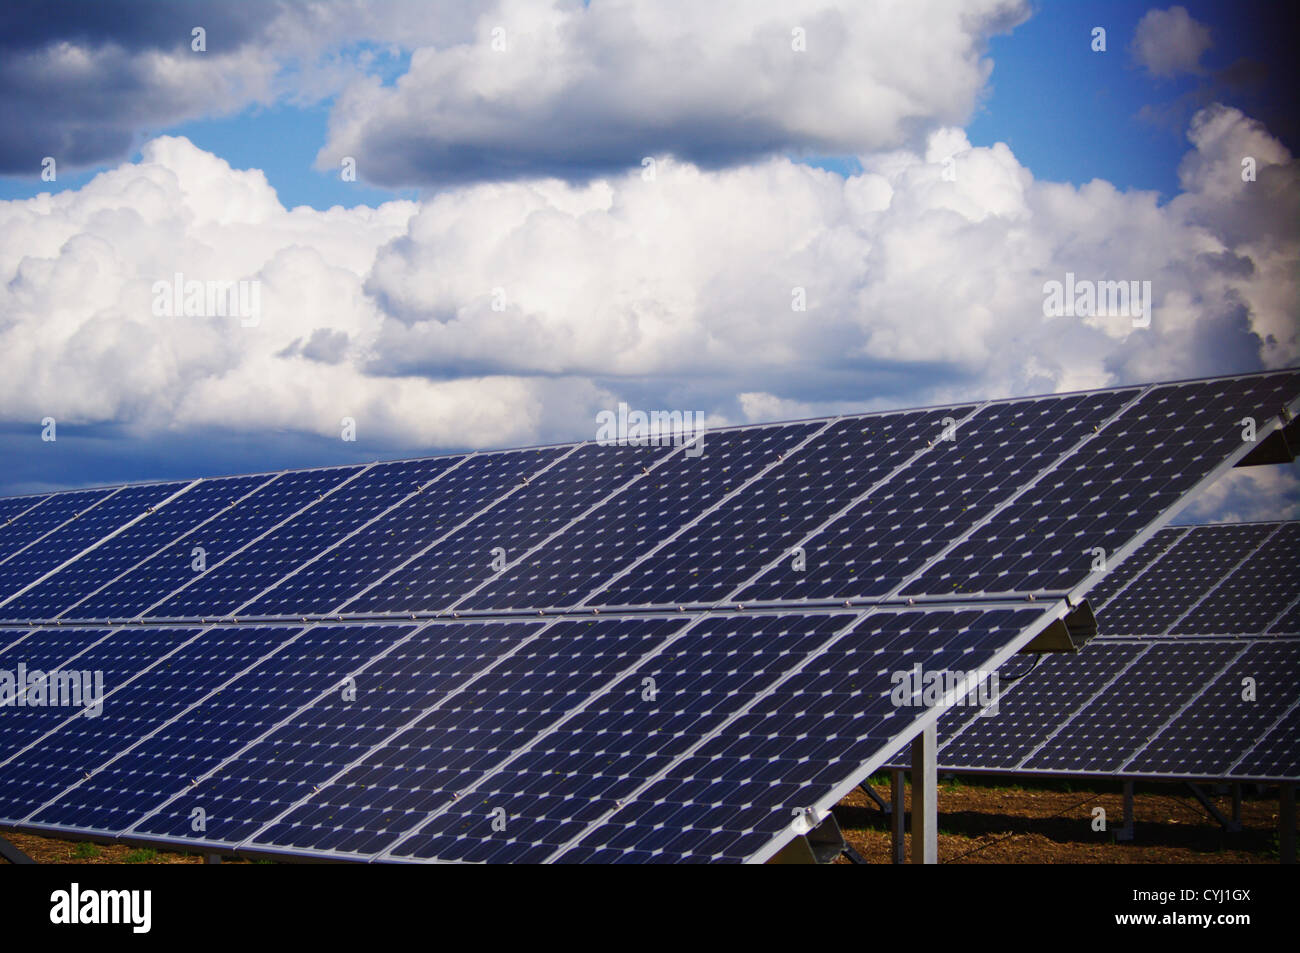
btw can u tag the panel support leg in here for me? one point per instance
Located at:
(925, 798)
(1210, 809)
(870, 792)
(12, 854)
(898, 818)
(212, 858)
(1236, 805)
(1125, 833)
(1286, 824)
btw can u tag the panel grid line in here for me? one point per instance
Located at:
(560, 458)
(1205, 686)
(1080, 709)
(302, 630)
(253, 742)
(361, 470)
(848, 508)
(717, 505)
(71, 519)
(62, 614)
(1220, 581)
(95, 545)
(1017, 494)
(343, 540)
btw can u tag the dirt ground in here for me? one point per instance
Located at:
(981, 821)
(1013, 821)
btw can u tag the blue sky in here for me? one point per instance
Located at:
(1070, 114)
(610, 295)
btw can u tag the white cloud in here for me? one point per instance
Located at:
(671, 293)
(565, 89)
(1169, 42)
(1249, 493)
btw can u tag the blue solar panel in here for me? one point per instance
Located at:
(48, 515)
(1031, 710)
(119, 655)
(628, 733)
(803, 743)
(110, 515)
(446, 751)
(941, 495)
(1120, 577)
(11, 510)
(275, 772)
(1252, 595)
(1180, 576)
(1111, 488)
(1228, 718)
(135, 592)
(563, 572)
(131, 710)
(170, 761)
(158, 527)
(766, 519)
(226, 588)
(384, 545)
(453, 568)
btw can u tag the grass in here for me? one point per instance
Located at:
(144, 855)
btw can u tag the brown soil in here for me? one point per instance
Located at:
(1001, 821)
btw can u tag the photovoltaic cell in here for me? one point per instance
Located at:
(277, 771)
(1109, 490)
(120, 656)
(168, 763)
(130, 712)
(1209, 736)
(53, 596)
(564, 571)
(1028, 713)
(944, 493)
(1185, 572)
(402, 533)
(1253, 593)
(797, 744)
(134, 593)
(228, 587)
(770, 516)
(444, 574)
(1120, 577)
(1101, 737)
(51, 513)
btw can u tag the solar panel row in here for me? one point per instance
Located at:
(1193, 677)
(361, 739)
(653, 730)
(871, 508)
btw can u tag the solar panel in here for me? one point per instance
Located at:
(1193, 676)
(586, 652)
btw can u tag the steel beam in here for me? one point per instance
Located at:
(925, 797)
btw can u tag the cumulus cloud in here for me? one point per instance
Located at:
(1250, 493)
(79, 81)
(511, 313)
(560, 88)
(1170, 42)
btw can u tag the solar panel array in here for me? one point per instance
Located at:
(569, 653)
(1196, 675)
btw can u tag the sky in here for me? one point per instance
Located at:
(480, 225)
